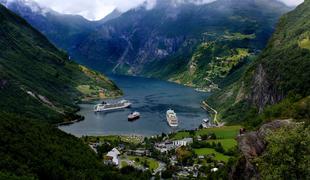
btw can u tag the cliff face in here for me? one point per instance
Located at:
(159, 42)
(284, 66)
(263, 91)
(252, 145)
(280, 73)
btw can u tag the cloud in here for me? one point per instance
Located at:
(97, 9)
(93, 10)
(292, 2)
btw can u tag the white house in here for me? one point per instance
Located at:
(183, 142)
(214, 169)
(113, 156)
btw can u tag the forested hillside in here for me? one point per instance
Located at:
(39, 85)
(203, 45)
(194, 44)
(277, 84)
(38, 80)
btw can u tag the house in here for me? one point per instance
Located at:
(214, 169)
(139, 152)
(183, 142)
(201, 157)
(112, 157)
(165, 146)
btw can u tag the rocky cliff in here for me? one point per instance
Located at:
(278, 79)
(252, 145)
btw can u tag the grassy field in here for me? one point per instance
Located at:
(238, 36)
(225, 132)
(127, 139)
(153, 164)
(226, 143)
(180, 135)
(305, 43)
(207, 151)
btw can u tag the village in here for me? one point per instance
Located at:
(193, 153)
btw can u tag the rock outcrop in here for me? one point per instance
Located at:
(263, 90)
(252, 145)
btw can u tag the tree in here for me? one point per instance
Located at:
(287, 155)
(219, 148)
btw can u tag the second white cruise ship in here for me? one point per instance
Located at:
(172, 118)
(107, 106)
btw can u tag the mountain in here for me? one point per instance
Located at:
(61, 29)
(64, 30)
(199, 44)
(39, 80)
(39, 86)
(182, 41)
(113, 15)
(277, 84)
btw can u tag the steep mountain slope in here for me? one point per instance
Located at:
(38, 86)
(278, 83)
(34, 149)
(165, 41)
(39, 80)
(189, 42)
(64, 30)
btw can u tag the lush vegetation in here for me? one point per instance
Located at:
(113, 138)
(38, 80)
(216, 61)
(162, 41)
(39, 85)
(287, 154)
(34, 149)
(225, 132)
(208, 151)
(215, 143)
(276, 85)
(144, 161)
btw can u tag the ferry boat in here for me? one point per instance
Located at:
(112, 106)
(133, 116)
(172, 118)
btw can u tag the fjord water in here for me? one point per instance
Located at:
(152, 98)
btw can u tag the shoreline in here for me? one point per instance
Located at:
(147, 132)
(207, 107)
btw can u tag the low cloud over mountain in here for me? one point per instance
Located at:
(97, 9)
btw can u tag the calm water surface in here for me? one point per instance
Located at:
(152, 98)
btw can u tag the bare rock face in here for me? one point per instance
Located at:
(252, 145)
(264, 91)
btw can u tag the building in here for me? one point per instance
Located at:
(183, 142)
(112, 157)
(139, 152)
(165, 146)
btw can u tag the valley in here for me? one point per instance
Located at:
(205, 46)
(152, 98)
(234, 75)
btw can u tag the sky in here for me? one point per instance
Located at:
(97, 9)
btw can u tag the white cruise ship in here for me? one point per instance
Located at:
(112, 106)
(172, 118)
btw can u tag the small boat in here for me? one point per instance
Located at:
(206, 120)
(133, 116)
(172, 118)
(112, 106)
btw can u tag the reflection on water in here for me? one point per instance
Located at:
(152, 98)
